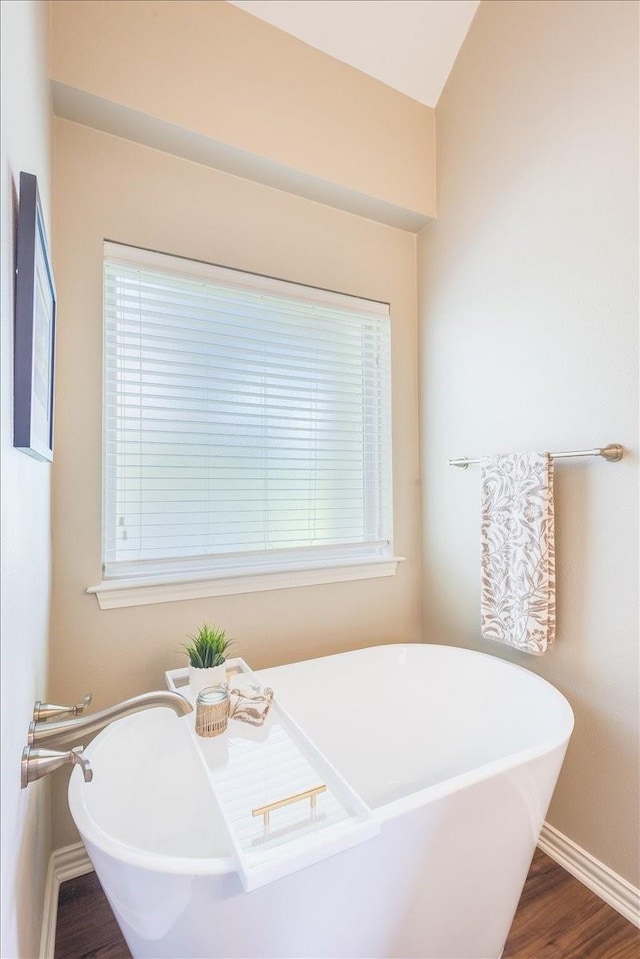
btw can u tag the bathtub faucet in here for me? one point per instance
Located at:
(67, 730)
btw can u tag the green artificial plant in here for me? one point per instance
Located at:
(207, 648)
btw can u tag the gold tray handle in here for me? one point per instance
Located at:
(310, 794)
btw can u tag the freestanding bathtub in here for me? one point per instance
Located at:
(456, 754)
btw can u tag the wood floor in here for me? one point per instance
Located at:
(558, 918)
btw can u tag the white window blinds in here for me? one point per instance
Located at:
(247, 420)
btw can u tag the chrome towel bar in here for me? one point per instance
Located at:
(612, 453)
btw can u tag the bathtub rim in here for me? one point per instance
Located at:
(91, 831)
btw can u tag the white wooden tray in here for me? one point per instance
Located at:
(267, 784)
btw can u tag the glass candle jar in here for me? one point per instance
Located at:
(212, 710)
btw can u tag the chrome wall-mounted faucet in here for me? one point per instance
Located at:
(66, 730)
(37, 763)
(45, 728)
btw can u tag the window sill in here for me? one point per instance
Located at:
(169, 588)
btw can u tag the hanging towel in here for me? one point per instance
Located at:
(518, 603)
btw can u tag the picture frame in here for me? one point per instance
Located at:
(35, 323)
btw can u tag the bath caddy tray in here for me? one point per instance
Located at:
(284, 806)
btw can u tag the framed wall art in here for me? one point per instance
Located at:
(35, 322)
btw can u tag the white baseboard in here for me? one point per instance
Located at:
(72, 861)
(607, 884)
(69, 862)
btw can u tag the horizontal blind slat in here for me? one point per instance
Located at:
(134, 343)
(267, 325)
(311, 302)
(292, 386)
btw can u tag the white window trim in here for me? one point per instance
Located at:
(150, 586)
(168, 588)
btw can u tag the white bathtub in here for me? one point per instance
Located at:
(456, 752)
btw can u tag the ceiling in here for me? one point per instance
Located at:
(410, 45)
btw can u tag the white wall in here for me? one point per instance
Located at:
(26, 486)
(528, 340)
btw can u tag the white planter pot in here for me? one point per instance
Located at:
(201, 678)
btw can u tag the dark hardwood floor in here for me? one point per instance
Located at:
(558, 918)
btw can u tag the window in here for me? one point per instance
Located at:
(247, 431)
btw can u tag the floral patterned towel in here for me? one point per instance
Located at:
(518, 603)
(250, 704)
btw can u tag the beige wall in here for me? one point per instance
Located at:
(528, 315)
(215, 70)
(26, 489)
(108, 187)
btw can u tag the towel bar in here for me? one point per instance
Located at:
(612, 453)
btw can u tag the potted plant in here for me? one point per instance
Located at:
(207, 656)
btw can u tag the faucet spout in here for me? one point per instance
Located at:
(67, 730)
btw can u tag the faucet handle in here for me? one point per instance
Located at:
(37, 763)
(44, 711)
(77, 759)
